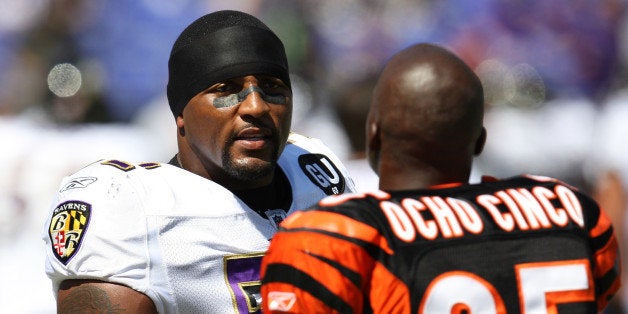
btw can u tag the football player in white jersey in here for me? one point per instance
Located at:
(188, 236)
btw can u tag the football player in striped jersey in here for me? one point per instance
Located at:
(429, 241)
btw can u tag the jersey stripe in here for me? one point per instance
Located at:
(280, 273)
(602, 225)
(345, 271)
(388, 294)
(338, 224)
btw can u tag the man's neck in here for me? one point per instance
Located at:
(175, 161)
(276, 195)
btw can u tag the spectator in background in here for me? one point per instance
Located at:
(350, 102)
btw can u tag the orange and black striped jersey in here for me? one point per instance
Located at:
(525, 244)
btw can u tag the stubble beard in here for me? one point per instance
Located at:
(247, 169)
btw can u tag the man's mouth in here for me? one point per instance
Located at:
(253, 138)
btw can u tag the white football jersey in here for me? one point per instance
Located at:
(186, 242)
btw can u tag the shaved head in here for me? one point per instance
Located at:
(426, 114)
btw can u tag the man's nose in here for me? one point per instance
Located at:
(253, 102)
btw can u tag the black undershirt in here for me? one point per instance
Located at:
(277, 195)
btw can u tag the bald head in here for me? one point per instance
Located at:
(426, 114)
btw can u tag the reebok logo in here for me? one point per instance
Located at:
(78, 183)
(281, 301)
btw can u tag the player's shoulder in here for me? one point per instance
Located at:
(532, 179)
(310, 156)
(354, 205)
(107, 172)
(350, 199)
(116, 166)
(299, 147)
(349, 212)
(535, 184)
(302, 142)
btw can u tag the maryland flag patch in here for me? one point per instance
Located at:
(67, 227)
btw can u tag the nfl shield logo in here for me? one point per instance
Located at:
(67, 227)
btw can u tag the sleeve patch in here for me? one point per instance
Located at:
(67, 228)
(323, 173)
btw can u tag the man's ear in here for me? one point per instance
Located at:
(479, 144)
(372, 136)
(373, 145)
(180, 125)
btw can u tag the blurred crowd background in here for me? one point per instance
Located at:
(85, 80)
